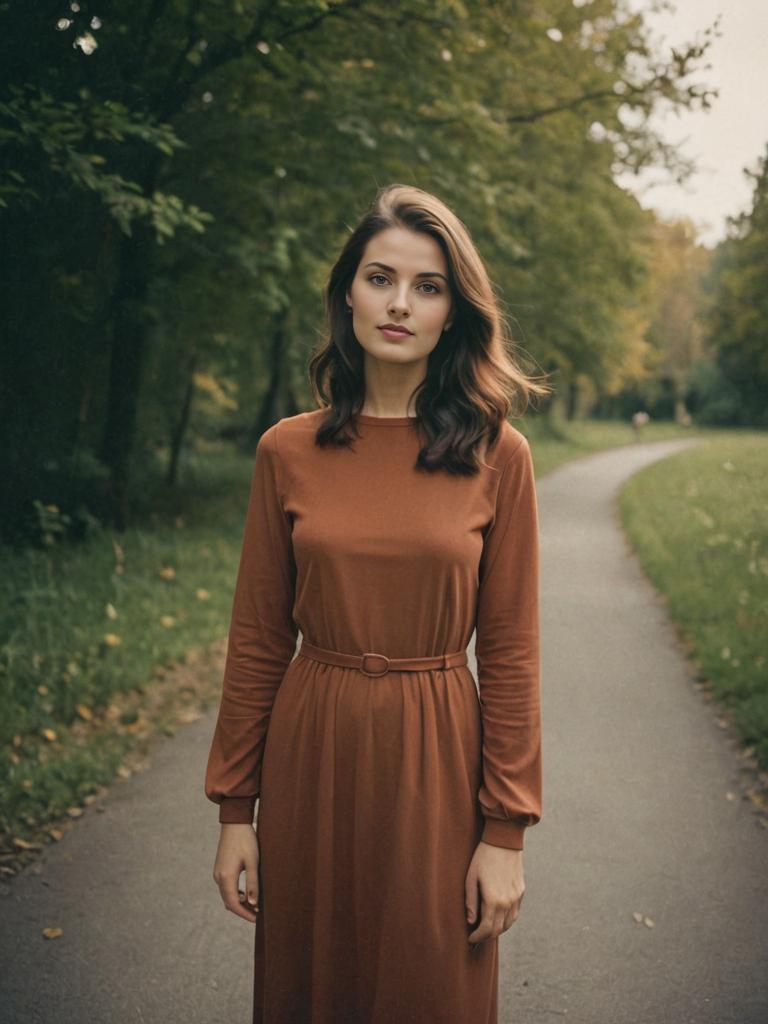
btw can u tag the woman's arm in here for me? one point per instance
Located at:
(507, 647)
(261, 644)
(508, 659)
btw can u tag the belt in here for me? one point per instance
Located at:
(361, 661)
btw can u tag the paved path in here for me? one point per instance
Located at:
(635, 819)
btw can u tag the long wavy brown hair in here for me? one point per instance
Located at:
(473, 381)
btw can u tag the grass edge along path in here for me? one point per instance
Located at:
(698, 523)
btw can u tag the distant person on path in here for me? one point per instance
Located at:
(387, 524)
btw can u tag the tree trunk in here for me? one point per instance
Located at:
(126, 359)
(571, 400)
(276, 399)
(177, 434)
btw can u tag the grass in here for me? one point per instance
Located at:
(699, 523)
(110, 641)
(91, 630)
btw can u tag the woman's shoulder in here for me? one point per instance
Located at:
(510, 443)
(292, 434)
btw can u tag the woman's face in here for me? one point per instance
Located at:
(402, 279)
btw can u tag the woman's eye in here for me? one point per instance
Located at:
(375, 278)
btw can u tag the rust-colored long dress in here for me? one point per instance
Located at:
(374, 789)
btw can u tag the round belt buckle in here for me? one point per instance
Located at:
(383, 657)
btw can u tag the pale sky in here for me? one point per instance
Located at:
(727, 137)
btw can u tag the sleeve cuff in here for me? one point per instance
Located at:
(237, 810)
(503, 833)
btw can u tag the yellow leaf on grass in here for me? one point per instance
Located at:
(84, 711)
(112, 639)
(202, 595)
(168, 572)
(23, 844)
(49, 734)
(168, 621)
(111, 611)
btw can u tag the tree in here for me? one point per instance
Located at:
(738, 325)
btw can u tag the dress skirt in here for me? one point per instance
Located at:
(367, 823)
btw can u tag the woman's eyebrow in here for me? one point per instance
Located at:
(391, 270)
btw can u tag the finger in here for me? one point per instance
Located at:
(509, 918)
(471, 895)
(498, 921)
(252, 882)
(484, 929)
(230, 895)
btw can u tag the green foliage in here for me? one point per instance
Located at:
(35, 124)
(739, 323)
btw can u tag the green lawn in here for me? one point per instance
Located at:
(699, 522)
(85, 624)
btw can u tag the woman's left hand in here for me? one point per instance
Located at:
(494, 886)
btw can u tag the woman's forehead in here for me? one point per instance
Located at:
(405, 251)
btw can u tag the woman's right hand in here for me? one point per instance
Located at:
(238, 850)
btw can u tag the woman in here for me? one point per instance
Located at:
(386, 525)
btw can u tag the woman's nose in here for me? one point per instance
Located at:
(399, 303)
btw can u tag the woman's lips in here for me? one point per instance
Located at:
(394, 335)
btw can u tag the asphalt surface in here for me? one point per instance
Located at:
(637, 818)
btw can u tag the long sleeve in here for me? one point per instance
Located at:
(507, 647)
(261, 643)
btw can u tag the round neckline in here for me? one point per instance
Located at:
(385, 421)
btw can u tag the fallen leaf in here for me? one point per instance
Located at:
(168, 621)
(52, 933)
(84, 711)
(202, 594)
(638, 917)
(49, 734)
(111, 610)
(23, 844)
(55, 833)
(649, 923)
(189, 715)
(168, 572)
(112, 639)
(74, 812)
